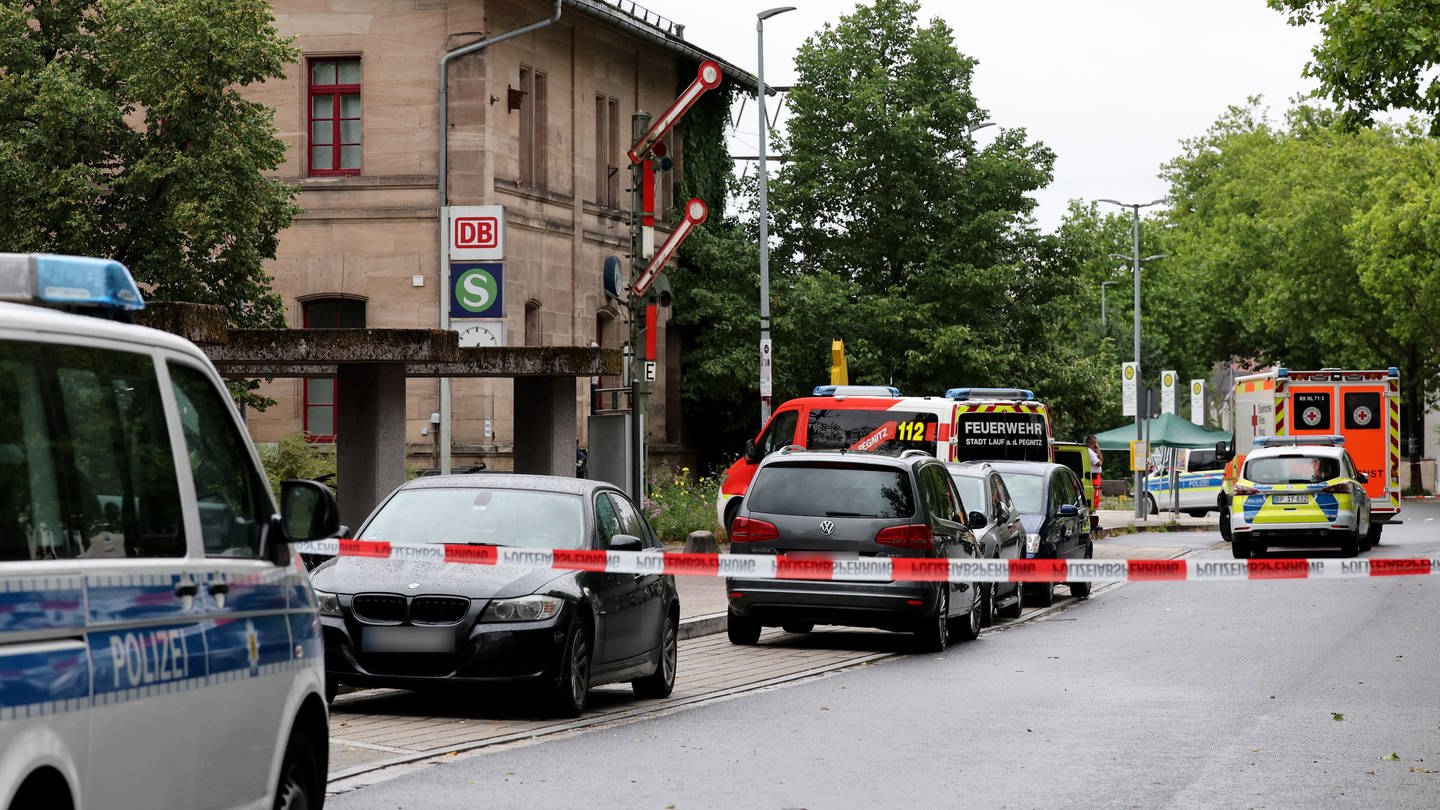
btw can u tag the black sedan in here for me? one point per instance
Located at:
(1001, 535)
(1056, 517)
(413, 624)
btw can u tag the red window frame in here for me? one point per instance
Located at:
(336, 92)
(342, 313)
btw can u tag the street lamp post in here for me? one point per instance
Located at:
(1139, 417)
(766, 385)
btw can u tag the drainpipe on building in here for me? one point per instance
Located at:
(442, 196)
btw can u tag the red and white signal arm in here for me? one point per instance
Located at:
(476, 232)
(695, 213)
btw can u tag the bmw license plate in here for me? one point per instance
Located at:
(406, 639)
(1290, 499)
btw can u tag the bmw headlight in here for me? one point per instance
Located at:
(329, 603)
(1032, 544)
(524, 609)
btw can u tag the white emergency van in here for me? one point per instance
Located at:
(159, 642)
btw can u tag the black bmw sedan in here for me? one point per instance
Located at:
(413, 624)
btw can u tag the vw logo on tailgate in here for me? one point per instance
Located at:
(827, 527)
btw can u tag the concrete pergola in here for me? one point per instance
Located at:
(370, 367)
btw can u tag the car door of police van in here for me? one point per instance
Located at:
(259, 629)
(103, 451)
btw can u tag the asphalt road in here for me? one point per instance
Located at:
(1147, 695)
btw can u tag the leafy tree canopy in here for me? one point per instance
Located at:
(895, 232)
(1308, 245)
(1373, 56)
(123, 135)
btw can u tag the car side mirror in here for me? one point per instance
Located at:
(1069, 510)
(625, 542)
(976, 521)
(752, 451)
(308, 511)
(1362, 477)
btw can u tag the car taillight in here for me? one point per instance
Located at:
(749, 530)
(911, 535)
(1243, 490)
(1338, 489)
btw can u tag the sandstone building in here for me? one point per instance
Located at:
(538, 123)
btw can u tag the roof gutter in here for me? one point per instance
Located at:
(443, 199)
(668, 41)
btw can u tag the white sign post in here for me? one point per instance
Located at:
(1197, 402)
(765, 382)
(1129, 377)
(1167, 392)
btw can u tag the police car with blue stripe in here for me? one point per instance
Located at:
(159, 642)
(1185, 480)
(1299, 491)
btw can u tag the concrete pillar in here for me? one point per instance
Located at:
(545, 425)
(369, 436)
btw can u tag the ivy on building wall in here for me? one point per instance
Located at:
(708, 165)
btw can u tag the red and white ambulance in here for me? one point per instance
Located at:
(966, 424)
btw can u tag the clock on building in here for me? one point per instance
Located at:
(481, 333)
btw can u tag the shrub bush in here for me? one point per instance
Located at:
(293, 457)
(678, 503)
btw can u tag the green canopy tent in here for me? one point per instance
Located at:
(1165, 430)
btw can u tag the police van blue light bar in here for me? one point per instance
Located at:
(68, 281)
(855, 391)
(1326, 440)
(989, 393)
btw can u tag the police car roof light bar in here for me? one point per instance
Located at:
(68, 281)
(989, 393)
(855, 391)
(1328, 440)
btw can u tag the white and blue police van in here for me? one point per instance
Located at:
(159, 642)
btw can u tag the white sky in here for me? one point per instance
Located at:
(1112, 86)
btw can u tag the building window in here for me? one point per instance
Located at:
(532, 323)
(533, 129)
(320, 395)
(607, 152)
(334, 117)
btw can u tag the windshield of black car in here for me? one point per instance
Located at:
(831, 490)
(877, 431)
(1027, 492)
(500, 517)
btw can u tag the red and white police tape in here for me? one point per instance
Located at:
(876, 569)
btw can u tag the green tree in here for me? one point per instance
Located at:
(1307, 242)
(897, 233)
(926, 239)
(1373, 56)
(123, 135)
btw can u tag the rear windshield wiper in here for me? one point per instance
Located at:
(848, 514)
